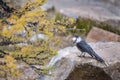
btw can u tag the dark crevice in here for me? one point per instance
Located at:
(88, 72)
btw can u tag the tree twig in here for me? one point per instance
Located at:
(3, 53)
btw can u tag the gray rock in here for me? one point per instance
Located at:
(114, 71)
(36, 37)
(95, 9)
(18, 3)
(27, 73)
(107, 11)
(68, 66)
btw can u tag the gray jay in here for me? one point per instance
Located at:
(85, 48)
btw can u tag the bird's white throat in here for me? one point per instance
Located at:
(77, 39)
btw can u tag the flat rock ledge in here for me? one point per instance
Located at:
(68, 66)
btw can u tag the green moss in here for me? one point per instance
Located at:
(83, 26)
(87, 24)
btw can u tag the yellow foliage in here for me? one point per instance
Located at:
(13, 18)
(6, 33)
(8, 59)
(10, 62)
(38, 52)
(48, 33)
(71, 20)
(39, 2)
(26, 51)
(10, 67)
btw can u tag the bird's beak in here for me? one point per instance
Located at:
(73, 42)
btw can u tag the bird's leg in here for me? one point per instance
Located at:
(92, 56)
(82, 54)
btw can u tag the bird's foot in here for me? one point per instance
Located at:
(82, 55)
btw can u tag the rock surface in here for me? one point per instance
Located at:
(27, 72)
(17, 3)
(97, 34)
(114, 71)
(96, 9)
(106, 11)
(68, 66)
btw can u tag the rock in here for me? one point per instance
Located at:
(17, 4)
(36, 37)
(97, 34)
(88, 72)
(95, 9)
(114, 71)
(27, 72)
(105, 11)
(38, 67)
(68, 66)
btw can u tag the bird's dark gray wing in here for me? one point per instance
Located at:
(86, 48)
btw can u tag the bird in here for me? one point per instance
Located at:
(85, 48)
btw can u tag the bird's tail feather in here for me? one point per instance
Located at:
(97, 57)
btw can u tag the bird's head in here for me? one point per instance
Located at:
(76, 39)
